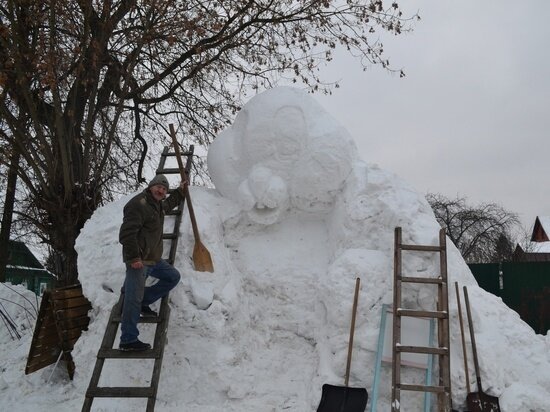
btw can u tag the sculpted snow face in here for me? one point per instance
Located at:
(283, 151)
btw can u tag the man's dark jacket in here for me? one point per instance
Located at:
(143, 225)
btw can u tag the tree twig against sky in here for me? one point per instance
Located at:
(481, 232)
(87, 84)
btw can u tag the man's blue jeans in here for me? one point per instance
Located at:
(137, 295)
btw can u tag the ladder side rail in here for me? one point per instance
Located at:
(107, 342)
(396, 334)
(159, 341)
(445, 360)
(162, 162)
(181, 207)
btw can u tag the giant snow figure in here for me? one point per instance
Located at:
(282, 151)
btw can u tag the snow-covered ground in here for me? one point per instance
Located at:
(294, 219)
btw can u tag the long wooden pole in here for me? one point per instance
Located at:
(464, 351)
(473, 339)
(352, 330)
(201, 256)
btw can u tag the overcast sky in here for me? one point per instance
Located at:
(471, 117)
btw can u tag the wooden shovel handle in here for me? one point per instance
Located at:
(352, 329)
(184, 178)
(473, 338)
(464, 352)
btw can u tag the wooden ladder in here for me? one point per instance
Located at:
(107, 351)
(441, 314)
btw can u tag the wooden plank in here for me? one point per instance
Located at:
(120, 392)
(50, 347)
(68, 334)
(143, 319)
(189, 153)
(168, 171)
(71, 303)
(422, 349)
(72, 312)
(421, 248)
(422, 388)
(411, 279)
(81, 322)
(47, 323)
(56, 331)
(67, 292)
(44, 312)
(49, 339)
(119, 354)
(422, 313)
(40, 363)
(68, 345)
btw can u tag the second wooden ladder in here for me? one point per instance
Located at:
(441, 313)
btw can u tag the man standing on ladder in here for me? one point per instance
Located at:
(141, 238)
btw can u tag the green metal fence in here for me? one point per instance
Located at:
(523, 286)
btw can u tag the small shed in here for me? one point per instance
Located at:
(538, 248)
(25, 269)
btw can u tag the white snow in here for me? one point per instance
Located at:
(294, 219)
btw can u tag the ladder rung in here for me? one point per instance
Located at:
(120, 392)
(142, 319)
(119, 354)
(173, 212)
(422, 313)
(169, 235)
(174, 153)
(421, 248)
(168, 171)
(422, 349)
(422, 388)
(411, 279)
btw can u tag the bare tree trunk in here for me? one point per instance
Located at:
(65, 219)
(7, 216)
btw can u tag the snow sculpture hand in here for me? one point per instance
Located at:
(263, 195)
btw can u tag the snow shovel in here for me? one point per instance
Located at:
(478, 401)
(344, 398)
(201, 256)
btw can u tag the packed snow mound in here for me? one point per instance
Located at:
(270, 326)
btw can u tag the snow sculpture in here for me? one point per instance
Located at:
(283, 151)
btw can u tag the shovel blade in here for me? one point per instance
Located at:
(343, 399)
(482, 402)
(201, 258)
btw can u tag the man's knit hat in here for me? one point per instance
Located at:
(159, 180)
